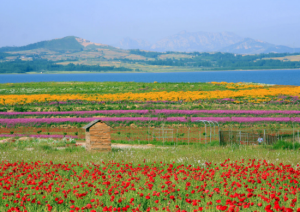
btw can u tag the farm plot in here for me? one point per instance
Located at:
(248, 185)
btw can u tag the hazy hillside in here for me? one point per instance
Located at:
(184, 41)
(251, 46)
(129, 43)
(206, 42)
(63, 44)
(66, 44)
(73, 54)
(196, 41)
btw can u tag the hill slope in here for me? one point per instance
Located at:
(63, 44)
(71, 54)
(66, 44)
(196, 41)
(251, 46)
(207, 42)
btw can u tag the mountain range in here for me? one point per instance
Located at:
(206, 42)
(181, 42)
(65, 44)
(181, 52)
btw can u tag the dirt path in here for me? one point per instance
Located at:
(129, 146)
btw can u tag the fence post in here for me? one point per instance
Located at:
(205, 134)
(215, 131)
(265, 136)
(248, 139)
(177, 137)
(148, 135)
(210, 134)
(173, 136)
(230, 137)
(293, 137)
(188, 136)
(163, 136)
(199, 137)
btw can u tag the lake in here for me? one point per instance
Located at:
(282, 77)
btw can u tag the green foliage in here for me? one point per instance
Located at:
(286, 145)
(219, 61)
(213, 143)
(40, 65)
(145, 53)
(3, 55)
(167, 143)
(20, 109)
(101, 88)
(62, 45)
(45, 147)
(73, 149)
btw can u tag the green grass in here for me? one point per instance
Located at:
(193, 155)
(102, 87)
(166, 143)
(68, 43)
(286, 145)
(36, 143)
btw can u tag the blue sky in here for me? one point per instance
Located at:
(108, 21)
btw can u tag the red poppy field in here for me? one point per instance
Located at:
(245, 185)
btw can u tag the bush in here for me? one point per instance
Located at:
(213, 143)
(285, 145)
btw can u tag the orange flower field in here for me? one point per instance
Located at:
(255, 95)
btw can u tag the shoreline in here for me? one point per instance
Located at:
(141, 72)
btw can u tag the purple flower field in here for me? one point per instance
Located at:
(37, 136)
(164, 111)
(12, 122)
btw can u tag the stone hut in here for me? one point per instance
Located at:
(97, 136)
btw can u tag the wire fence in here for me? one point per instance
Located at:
(253, 137)
(175, 134)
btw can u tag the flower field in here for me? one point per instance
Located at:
(37, 136)
(243, 185)
(255, 95)
(12, 122)
(185, 168)
(167, 99)
(154, 112)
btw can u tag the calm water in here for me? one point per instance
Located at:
(282, 77)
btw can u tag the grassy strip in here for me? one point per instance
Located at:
(102, 87)
(188, 154)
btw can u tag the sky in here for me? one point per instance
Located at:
(108, 21)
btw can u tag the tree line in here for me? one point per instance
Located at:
(220, 60)
(19, 66)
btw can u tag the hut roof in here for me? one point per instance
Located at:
(91, 124)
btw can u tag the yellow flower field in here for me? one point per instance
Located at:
(255, 95)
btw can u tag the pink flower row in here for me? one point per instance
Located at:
(186, 112)
(145, 119)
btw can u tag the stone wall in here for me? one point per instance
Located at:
(99, 135)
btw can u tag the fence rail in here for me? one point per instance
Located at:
(245, 138)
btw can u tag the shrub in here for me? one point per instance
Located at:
(285, 145)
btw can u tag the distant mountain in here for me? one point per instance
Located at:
(196, 41)
(251, 46)
(206, 42)
(128, 43)
(77, 54)
(66, 44)
(181, 42)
